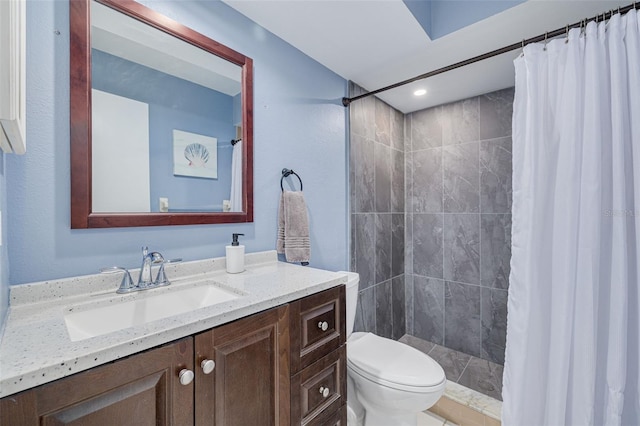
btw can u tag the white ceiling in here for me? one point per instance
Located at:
(122, 36)
(376, 43)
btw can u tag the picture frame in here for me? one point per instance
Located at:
(195, 155)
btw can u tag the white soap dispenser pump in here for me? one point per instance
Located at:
(235, 256)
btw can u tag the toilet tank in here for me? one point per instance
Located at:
(353, 278)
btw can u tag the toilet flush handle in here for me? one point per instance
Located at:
(323, 325)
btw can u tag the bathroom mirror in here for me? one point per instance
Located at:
(155, 107)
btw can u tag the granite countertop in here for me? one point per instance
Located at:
(36, 347)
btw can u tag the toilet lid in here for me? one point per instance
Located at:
(385, 360)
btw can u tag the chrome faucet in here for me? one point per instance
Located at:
(145, 279)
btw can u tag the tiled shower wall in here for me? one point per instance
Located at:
(448, 282)
(459, 223)
(377, 214)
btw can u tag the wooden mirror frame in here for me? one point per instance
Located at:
(80, 100)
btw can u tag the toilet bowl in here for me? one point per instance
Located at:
(389, 382)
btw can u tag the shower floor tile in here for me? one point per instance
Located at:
(453, 362)
(483, 376)
(421, 345)
(475, 373)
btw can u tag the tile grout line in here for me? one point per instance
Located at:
(374, 308)
(411, 208)
(480, 263)
(444, 284)
(465, 368)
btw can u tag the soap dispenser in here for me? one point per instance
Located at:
(235, 256)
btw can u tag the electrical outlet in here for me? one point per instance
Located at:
(164, 204)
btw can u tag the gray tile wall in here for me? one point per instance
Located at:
(458, 223)
(431, 220)
(377, 184)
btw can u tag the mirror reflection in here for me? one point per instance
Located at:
(164, 115)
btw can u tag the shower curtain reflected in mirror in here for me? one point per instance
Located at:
(236, 178)
(573, 326)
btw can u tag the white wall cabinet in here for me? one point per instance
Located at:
(12, 76)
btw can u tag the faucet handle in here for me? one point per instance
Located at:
(126, 285)
(161, 278)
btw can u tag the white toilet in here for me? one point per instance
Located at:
(389, 382)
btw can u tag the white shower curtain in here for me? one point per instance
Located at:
(236, 178)
(573, 326)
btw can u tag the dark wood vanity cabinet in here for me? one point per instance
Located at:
(284, 366)
(143, 389)
(249, 384)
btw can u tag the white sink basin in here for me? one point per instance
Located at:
(90, 320)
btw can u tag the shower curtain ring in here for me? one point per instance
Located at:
(566, 34)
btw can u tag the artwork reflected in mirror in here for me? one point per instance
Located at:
(164, 112)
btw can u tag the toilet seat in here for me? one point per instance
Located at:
(393, 364)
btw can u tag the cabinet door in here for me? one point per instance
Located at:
(249, 384)
(142, 389)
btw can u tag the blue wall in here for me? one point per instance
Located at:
(174, 103)
(184, 191)
(299, 123)
(441, 17)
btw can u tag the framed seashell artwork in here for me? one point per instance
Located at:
(195, 155)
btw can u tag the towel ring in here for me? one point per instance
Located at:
(286, 173)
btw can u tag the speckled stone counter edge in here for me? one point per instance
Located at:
(36, 347)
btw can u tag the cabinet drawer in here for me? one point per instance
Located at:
(319, 389)
(337, 418)
(317, 326)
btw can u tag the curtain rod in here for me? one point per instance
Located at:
(551, 34)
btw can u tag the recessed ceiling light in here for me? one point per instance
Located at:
(420, 92)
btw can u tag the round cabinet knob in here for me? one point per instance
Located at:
(323, 325)
(324, 391)
(207, 365)
(186, 376)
